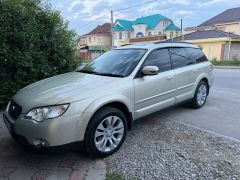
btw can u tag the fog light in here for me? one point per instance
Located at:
(44, 143)
(40, 142)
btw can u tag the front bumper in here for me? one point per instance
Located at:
(52, 132)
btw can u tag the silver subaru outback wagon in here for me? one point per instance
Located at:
(98, 104)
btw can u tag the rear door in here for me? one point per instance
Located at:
(185, 73)
(155, 92)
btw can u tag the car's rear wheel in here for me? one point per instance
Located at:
(106, 132)
(200, 95)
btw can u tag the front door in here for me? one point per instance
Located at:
(155, 92)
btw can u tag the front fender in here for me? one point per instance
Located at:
(96, 105)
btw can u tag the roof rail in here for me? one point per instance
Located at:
(159, 42)
(125, 45)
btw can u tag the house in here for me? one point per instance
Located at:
(95, 42)
(145, 29)
(219, 36)
(228, 21)
(216, 44)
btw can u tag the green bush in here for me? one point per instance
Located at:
(35, 43)
(226, 63)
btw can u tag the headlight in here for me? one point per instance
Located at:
(49, 112)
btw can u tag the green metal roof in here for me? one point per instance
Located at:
(126, 25)
(151, 22)
(117, 28)
(172, 27)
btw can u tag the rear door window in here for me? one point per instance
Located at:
(179, 57)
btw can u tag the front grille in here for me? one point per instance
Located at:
(14, 110)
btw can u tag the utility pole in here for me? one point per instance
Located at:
(229, 47)
(182, 30)
(112, 28)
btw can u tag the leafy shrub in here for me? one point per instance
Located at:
(226, 63)
(35, 43)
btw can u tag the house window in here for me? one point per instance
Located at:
(149, 33)
(171, 34)
(89, 39)
(129, 35)
(120, 35)
(165, 23)
(160, 32)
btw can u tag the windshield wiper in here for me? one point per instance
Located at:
(101, 74)
(109, 74)
(87, 71)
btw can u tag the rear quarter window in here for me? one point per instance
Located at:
(196, 55)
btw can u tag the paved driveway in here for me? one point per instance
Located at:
(17, 164)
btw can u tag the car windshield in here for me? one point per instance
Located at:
(116, 63)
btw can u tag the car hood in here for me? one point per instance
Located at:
(56, 89)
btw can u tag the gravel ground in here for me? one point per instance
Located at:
(157, 148)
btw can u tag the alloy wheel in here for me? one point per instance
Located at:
(109, 133)
(201, 94)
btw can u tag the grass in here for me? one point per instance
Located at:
(226, 63)
(114, 176)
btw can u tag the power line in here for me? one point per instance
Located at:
(136, 5)
(84, 25)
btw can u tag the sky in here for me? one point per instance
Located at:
(85, 15)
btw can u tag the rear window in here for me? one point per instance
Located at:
(196, 55)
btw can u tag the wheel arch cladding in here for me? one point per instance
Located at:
(122, 107)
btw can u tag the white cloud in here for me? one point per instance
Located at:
(149, 8)
(183, 13)
(184, 2)
(211, 2)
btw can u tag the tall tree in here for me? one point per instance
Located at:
(35, 43)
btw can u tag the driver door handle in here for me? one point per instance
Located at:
(194, 70)
(169, 77)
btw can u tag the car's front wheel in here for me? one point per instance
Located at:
(106, 132)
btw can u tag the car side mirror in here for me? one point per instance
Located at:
(150, 70)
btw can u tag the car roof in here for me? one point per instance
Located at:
(151, 46)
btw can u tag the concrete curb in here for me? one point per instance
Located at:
(226, 67)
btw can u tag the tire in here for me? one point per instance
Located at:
(105, 132)
(200, 95)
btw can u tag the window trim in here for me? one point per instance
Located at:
(139, 73)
